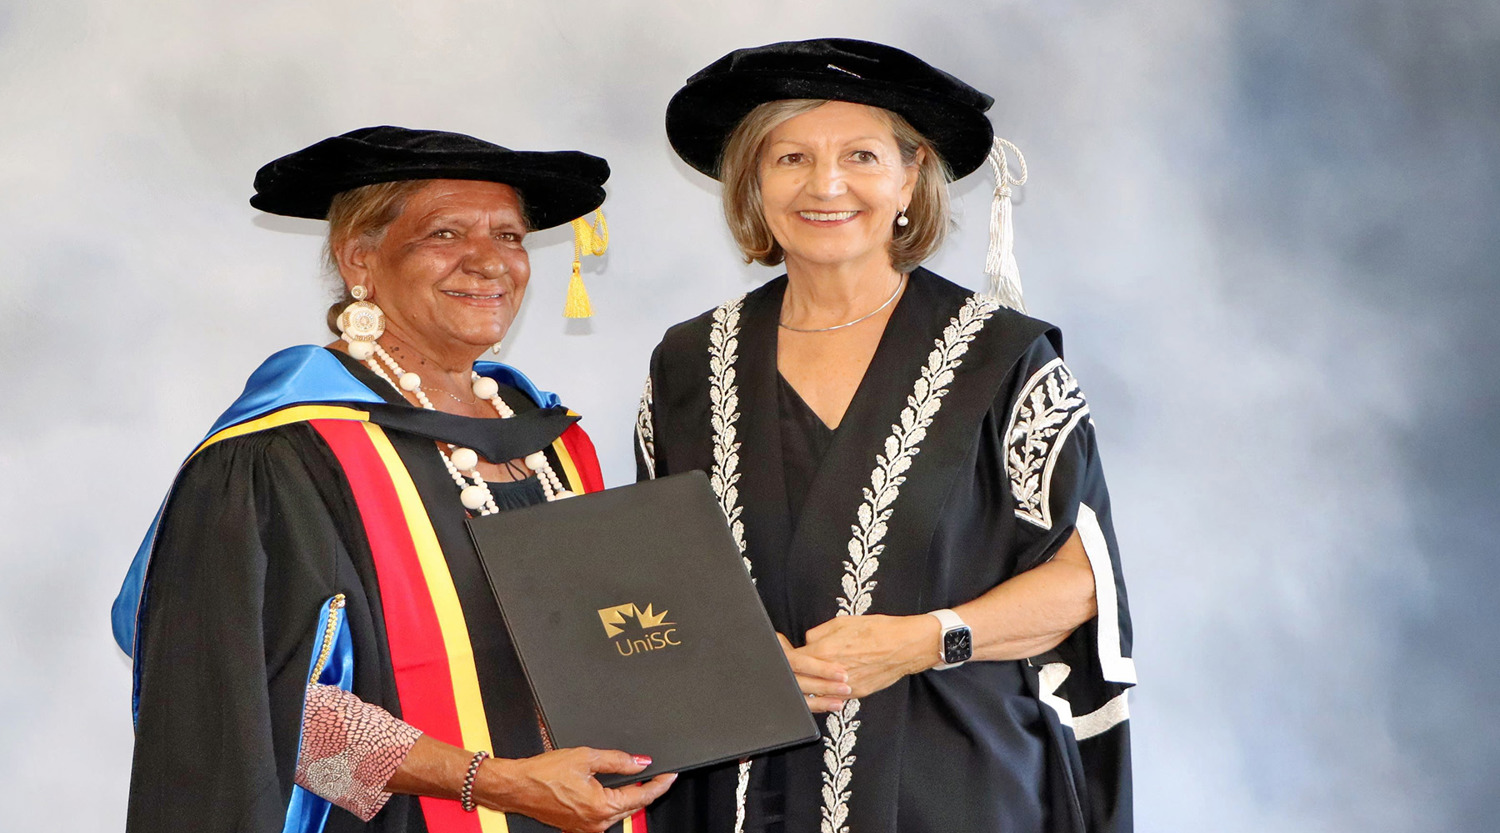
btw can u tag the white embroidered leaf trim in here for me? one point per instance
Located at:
(867, 541)
(901, 447)
(838, 766)
(724, 402)
(724, 415)
(741, 790)
(645, 435)
(1049, 407)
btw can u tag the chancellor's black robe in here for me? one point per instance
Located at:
(966, 457)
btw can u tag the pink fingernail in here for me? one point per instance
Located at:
(641, 760)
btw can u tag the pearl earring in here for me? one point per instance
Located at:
(361, 323)
(901, 218)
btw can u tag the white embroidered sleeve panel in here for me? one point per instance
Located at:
(1047, 410)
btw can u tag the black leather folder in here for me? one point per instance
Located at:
(639, 628)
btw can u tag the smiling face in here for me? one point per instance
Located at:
(451, 270)
(832, 181)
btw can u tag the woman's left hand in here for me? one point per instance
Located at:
(822, 682)
(876, 650)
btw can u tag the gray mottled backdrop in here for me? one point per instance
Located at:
(1267, 229)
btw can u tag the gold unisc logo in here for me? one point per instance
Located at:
(634, 631)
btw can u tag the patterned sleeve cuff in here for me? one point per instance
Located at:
(350, 749)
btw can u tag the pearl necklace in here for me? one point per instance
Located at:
(475, 495)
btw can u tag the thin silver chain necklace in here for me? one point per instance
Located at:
(899, 286)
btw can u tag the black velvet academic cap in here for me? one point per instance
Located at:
(942, 108)
(555, 186)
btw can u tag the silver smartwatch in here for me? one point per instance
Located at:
(956, 645)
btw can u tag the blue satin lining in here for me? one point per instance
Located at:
(294, 376)
(308, 812)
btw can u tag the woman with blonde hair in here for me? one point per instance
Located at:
(908, 467)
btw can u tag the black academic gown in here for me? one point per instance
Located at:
(259, 531)
(965, 458)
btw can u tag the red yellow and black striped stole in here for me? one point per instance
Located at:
(427, 635)
(433, 660)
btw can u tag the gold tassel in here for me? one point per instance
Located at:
(591, 239)
(577, 305)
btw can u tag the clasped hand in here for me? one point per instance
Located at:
(856, 656)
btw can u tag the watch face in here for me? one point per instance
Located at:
(958, 645)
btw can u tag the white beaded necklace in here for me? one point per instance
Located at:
(475, 496)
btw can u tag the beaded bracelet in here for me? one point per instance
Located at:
(466, 795)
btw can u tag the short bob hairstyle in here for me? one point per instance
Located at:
(739, 170)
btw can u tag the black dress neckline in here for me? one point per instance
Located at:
(805, 440)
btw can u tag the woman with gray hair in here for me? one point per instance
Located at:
(315, 645)
(908, 467)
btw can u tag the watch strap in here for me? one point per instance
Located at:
(949, 622)
(948, 619)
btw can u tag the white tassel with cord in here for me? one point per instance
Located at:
(1000, 262)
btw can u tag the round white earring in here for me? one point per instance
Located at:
(901, 219)
(361, 323)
